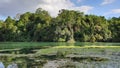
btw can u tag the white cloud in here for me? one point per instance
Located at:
(12, 7)
(116, 11)
(84, 9)
(79, 1)
(113, 11)
(53, 6)
(105, 2)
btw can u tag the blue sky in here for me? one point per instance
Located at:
(110, 8)
(107, 8)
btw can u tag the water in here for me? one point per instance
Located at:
(2, 65)
(23, 55)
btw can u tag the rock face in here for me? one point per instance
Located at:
(2, 65)
(13, 65)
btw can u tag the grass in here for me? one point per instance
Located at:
(93, 46)
(81, 49)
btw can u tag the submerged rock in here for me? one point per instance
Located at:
(116, 53)
(2, 65)
(61, 63)
(87, 58)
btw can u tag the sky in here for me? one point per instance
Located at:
(107, 8)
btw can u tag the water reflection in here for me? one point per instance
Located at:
(21, 59)
(13, 65)
(2, 65)
(39, 62)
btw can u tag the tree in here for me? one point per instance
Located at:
(68, 26)
(68, 23)
(114, 26)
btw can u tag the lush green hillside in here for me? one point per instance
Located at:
(68, 26)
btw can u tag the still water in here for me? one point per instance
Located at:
(23, 55)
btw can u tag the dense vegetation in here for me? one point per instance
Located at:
(68, 26)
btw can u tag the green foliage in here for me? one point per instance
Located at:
(114, 26)
(68, 26)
